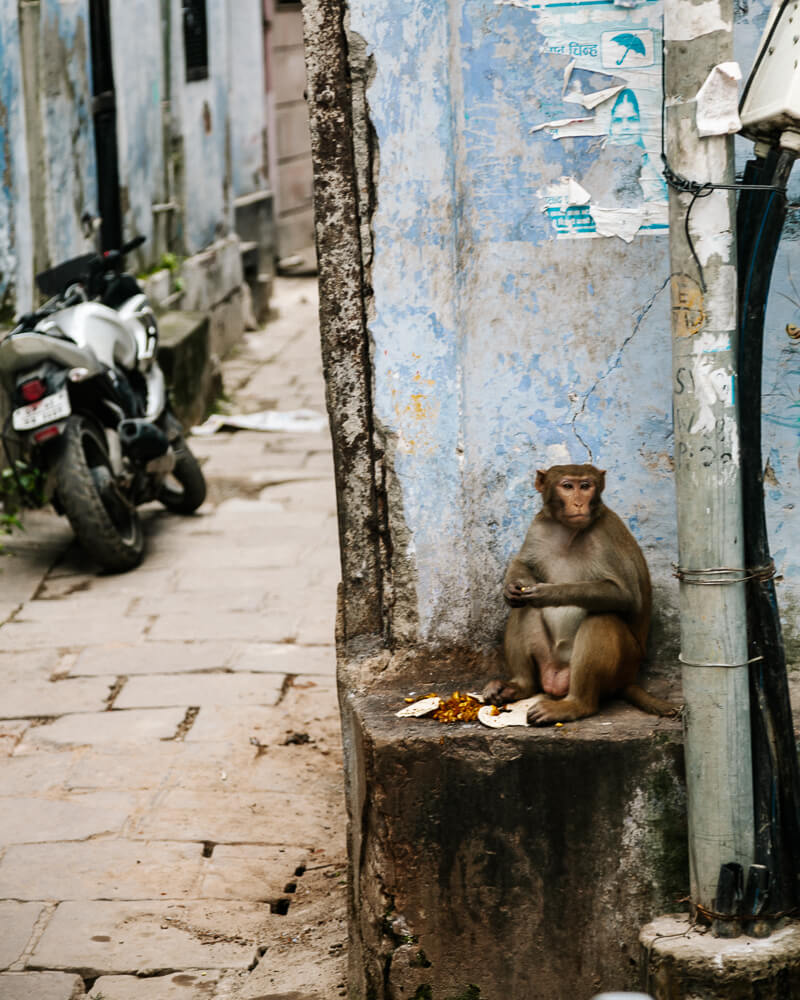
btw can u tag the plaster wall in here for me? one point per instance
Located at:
(247, 105)
(138, 71)
(203, 110)
(15, 230)
(521, 304)
(68, 136)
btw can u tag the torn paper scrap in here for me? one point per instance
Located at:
(419, 708)
(287, 421)
(560, 123)
(622, 222)
(515, 713)
(718, 101)
(566, 192)
(589, 87)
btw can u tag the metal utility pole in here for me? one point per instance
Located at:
(714, 650)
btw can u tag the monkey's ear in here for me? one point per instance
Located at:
(541, 479)
(601, 480)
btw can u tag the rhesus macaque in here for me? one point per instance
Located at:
(580, 596)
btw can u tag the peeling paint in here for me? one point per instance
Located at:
(536, 337)
(685, 20)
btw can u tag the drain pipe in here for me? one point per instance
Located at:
(714, 650)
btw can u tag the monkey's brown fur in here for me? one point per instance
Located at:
(581, 602)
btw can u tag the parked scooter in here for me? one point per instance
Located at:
(89, 412)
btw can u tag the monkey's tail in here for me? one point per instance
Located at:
(649, 703)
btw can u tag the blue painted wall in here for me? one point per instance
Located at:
(14, 220)
(521, 311)
(65, 107)
(138, 74)
(217, 122)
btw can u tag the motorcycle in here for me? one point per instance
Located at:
(89, 417)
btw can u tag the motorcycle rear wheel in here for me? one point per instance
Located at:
(105, 523)
(184, 490)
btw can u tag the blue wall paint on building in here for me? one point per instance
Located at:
(542, 349)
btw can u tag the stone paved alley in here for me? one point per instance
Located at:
(171, 803)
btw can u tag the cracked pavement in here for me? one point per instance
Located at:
(171, 798)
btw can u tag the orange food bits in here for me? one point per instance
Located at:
(458, 708)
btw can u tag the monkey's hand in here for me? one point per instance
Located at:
(515, 593)
(500, 692)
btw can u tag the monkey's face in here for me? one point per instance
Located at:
(575, 499)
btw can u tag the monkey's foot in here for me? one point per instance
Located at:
(500, 692)
(546, 710)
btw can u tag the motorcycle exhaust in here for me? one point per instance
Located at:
(142, 440)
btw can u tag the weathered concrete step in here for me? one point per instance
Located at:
(192, 372)
(491, 858)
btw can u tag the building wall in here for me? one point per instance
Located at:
(138, 75)
(520, 271)
(213, 130)
(294, 180)
(15, 229)
(246, 88)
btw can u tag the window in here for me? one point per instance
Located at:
(195, 39)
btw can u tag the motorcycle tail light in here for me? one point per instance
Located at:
(33, 390)
(45, 433)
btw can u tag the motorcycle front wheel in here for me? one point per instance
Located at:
(105, 523)
(184, 490)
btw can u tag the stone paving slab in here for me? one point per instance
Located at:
(286, 769)
(26, 694)
(11, 733)
(38, 661)
(159, 690)
(151, 657)
(89, 728)
(54, 612)
(268, 627)
(285, 658)
(82, 815)
(318, 627)
(111, 938)
(17, 921)
(155, 766)
(69, 632)
(46, 773)
(100, 869)
(191, 984)
(213, 600)
(250, 871)
(41, 986)
(64, 583)
(234, 817)
(226, 724)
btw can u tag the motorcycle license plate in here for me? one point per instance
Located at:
(43, 411)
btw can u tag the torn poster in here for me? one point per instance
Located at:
(718, 101)
(610, 67)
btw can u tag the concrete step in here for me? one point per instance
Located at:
(191, 371)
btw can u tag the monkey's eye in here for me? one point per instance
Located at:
(567, 486)
(586, 486)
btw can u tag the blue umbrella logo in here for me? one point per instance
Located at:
(631, 43)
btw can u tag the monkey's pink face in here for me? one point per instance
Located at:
(575, 497)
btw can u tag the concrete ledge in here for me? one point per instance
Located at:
(683, 963)
(515, 862)
(190, 368)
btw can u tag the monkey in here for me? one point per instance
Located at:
(580, 597)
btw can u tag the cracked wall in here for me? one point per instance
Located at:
(517, 304)
(507, 332)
